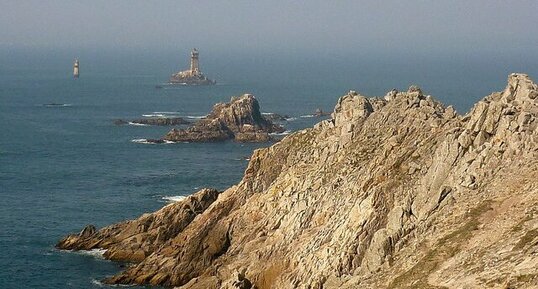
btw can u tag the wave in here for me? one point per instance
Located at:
(137, 124)
(281, 133)
(166, 112)
(154, 115)
(308, 116)
(97, 282)
(146, 141)
(57, 104)
(100, 284)
(173, 199)
(291, 119)
(97, 253)
(196, 116)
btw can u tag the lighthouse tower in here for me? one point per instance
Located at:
(195, 67)
(75, 69)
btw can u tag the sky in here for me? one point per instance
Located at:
(316, 27)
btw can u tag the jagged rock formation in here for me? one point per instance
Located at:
(159, 121)
(240, 120)
(398, 193)
(135, 240)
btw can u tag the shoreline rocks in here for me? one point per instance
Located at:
(389, 193)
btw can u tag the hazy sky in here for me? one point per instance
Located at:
(319, 26)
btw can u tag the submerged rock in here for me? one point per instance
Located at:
(402, 193)
(319, 113)
(159, 121)
(275, 117)
(240, 120)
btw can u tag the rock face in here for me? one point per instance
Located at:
(160, 121)
(240, 120)
(135, 240)
(403, 193)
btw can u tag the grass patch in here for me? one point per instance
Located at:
(446, 247)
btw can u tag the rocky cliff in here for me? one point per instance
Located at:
(240, 120)
(394, 192)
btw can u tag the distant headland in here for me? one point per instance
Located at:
(193, 76)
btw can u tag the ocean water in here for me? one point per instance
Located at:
(65, 166)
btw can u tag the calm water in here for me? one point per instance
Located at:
(64, 167)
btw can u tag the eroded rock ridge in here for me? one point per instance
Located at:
(393, 192)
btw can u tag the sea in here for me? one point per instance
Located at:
(64, 163)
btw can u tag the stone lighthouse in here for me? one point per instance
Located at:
(195, 66)
(75, 69)
(193, 76)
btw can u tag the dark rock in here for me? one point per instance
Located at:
(240, 120)
(120, 122)
(160, 121)
(276, 117)
(88, 231)
(319, 112)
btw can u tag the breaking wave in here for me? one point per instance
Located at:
(173, 199)
(281, 133)
(97, 253)
(154, 115)
(57, 105)
(137, 124)
(146, 141)
(196, 116)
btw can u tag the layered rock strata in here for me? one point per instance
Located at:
(394, 192)
(240, 120)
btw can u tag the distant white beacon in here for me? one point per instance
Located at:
(75, 69)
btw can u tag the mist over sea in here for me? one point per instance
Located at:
(67, 165)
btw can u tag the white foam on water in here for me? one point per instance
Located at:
(173, 199)
(137, 124)
(97, 253)
(281, 133)
(57, 104)
(166, 112)
(98, 283)
(196, 116)
(145, 141)
(141, 140)
(154, 115)
(291, 119)
(307, 116)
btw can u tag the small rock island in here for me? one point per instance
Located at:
(240, 120)
(193, 76)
